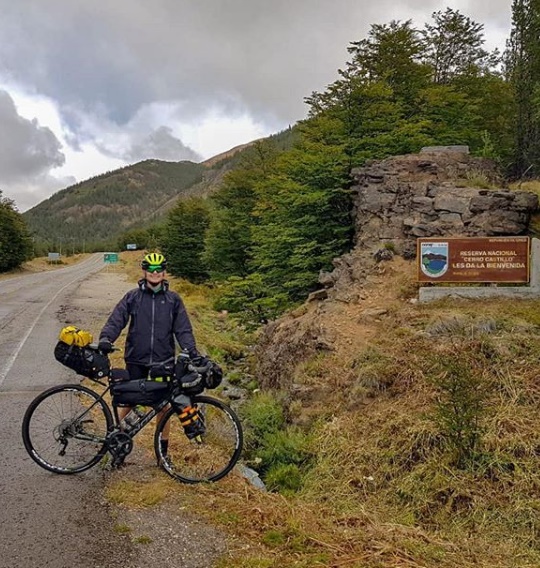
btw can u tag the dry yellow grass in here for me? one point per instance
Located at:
(41, 264)
(383, 491)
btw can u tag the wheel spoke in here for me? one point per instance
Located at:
(65, 427)
(207, 457)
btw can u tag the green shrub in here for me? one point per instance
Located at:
(272, 447)
(285, 478)
(288, 446)
(460, 407)
(264, 414)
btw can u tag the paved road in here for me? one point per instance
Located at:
(46, 520)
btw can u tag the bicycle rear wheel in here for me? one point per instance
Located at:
(65, 427)
(209, 457)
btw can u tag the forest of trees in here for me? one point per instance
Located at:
(283, 213)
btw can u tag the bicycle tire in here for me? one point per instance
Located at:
(64, 429)
(210, 459)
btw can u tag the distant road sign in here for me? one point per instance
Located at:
(131, 246)
(53, 256)
(111, 257)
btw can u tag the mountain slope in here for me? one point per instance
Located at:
(97, 211)
(102, 207)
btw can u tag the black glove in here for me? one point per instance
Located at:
(193, 354)
(105, 346)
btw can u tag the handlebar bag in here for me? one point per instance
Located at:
(211, 373)
(83, 360)
(213, 377)
(191, 382)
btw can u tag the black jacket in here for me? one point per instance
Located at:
(155, 319)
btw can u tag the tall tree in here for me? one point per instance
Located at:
(523, 63)
(303, 219)
(453, 47)
(392, 54)
(182, 241)
(228, 239)
(15, 244)
(228, 243)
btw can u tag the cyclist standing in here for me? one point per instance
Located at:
(156, 316)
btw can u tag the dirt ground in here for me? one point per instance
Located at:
(163, 534)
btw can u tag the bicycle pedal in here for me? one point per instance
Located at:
(118, 462)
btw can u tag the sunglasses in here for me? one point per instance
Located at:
(153, 269)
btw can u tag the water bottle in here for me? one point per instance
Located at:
(133, 417)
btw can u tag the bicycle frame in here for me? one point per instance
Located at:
(143, 421)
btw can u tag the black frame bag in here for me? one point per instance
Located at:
(145, 392)
(83, 360)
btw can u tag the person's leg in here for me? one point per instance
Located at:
(164, 442)
(141, 372)
(136, 372)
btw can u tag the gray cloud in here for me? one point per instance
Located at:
(32, 191)
(238, 54)
(105, 64)
(27, 150)
(162, 145)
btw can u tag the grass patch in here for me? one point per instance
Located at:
(280, 452)
(531, 185)
(480, 179)
(139, 494)
(424, 449)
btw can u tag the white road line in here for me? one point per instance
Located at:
(11, 360)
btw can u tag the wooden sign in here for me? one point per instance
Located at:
(475, 259)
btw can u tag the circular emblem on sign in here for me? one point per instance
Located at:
(434, 259)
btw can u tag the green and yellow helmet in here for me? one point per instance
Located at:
(154, 262)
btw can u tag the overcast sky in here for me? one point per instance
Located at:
(87, 87)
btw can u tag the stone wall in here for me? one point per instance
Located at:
(429, 194)
(396, 200)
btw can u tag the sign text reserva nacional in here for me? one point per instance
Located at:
(474, 259)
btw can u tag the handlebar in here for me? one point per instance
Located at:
(202, 370)
(95, 347)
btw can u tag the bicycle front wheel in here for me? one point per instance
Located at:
(65, 427)
(208, 457)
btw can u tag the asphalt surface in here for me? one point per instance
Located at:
(46, 520)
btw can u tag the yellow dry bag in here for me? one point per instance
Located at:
(74, 336)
